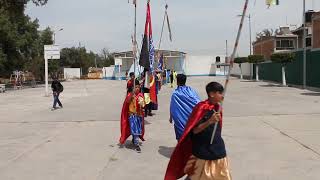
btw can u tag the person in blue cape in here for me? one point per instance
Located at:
(183, 100)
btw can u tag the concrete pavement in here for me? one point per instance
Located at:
(271, 132)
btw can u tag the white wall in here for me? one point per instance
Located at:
(201, 65)
(176, 63)
(71, 73)
(246, 68)
(108, 71)
(112, 72)
(126, 64)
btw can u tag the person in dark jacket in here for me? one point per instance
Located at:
(57, 88)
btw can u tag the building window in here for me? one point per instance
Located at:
(308, 42)
(284, 44)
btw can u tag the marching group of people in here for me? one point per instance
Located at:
(196, 154)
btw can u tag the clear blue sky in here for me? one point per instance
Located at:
(198, 27)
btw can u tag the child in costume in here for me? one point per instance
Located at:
(132, 117)
(195, 155)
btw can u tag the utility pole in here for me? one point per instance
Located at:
(227, 49)
(304, 46)
(250, 34)
(250, 41)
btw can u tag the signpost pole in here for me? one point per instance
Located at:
(53, 52)
(46, 75)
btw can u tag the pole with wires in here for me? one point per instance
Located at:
(231, 63)
(164, 19)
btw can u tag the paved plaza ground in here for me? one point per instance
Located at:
(271, 133)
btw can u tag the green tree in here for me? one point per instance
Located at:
(19, 37)
(256, 59)
(36, 64)
(284, 59)
(3, 60)
(240, 60)
(78, 58)
(107, 57)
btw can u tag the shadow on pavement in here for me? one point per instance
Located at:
(146, 122)
(128, 145)
(165, 151)
(311, 94)
(248, 81)
(272, 85)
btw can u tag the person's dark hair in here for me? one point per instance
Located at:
(137, 82)
(214, 87)
(131, 74)
(181, 79)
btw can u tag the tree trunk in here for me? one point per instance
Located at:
(257, 72)
(284, 83)
(241, 76)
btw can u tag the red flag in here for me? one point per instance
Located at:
(144, 55)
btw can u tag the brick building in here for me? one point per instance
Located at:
(286, 40)
(283, 41)
(316, 30)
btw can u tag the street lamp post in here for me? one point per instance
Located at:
(250, 39)
(54, 35)
(249, 18)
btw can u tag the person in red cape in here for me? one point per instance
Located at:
(132, 117)
(194, 155)
(130, 82)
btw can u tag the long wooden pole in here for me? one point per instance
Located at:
(231, 61)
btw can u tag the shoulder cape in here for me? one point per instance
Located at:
(183, 150)
(124, 122)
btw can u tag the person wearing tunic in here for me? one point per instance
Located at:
(132, 118)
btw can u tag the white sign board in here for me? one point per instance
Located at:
(51, 52)
(118, 62)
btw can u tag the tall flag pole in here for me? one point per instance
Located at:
(165, 18)
(147, 50)
(147, 57)
(144, 55)
(151, 46)
(135, 40)
(168, 22)
(153, 91)
(231, 62)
